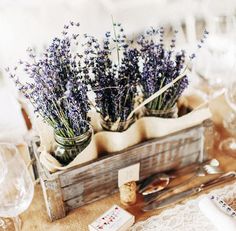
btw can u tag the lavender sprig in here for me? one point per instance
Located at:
(56, 88)
(161, 66)
(114, 82)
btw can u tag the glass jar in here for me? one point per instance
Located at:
(66, 149)
(116, 126)
(166, 113)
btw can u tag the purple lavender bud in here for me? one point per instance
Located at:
(192, 56)
(57, 86)
(160, 67)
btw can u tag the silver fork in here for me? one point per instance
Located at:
(211, 168)
(208, 169)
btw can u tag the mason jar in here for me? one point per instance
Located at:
(66, 149)
(165, 113)
(117, 126)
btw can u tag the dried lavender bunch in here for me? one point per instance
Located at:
(56, 88)
(114, 81)
(161, 66)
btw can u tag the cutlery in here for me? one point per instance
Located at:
(190, 192)
(149, 181)
(155, 183)
(206, 169)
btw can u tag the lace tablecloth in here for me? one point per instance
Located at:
(186, 217)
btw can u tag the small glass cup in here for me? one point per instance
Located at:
(16, 186)
(228, 146)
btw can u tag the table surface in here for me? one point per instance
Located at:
(35, 218)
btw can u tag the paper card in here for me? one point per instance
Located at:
(115, 219)
(128, 174)
(223, 206)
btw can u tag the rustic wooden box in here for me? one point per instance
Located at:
(66, 190)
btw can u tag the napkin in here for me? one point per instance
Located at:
(218, 212)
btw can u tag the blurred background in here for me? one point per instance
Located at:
(27, 23)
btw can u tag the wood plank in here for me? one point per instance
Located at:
(114, 162)
(78, 202)
(65, 190)
(105, 190)
(53, 199)
(109, 179)
(48, 175)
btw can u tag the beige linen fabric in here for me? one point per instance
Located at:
(108, 142)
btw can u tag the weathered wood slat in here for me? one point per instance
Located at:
(80, 185)
(53, 199)
(107, 179)
(80, 201)
(116, 162)
(190, 132)
(107, 189)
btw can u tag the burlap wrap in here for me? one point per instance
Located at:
(104, 141)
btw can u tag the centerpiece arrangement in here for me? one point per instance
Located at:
(124, 74)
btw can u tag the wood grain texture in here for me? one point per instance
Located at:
(80, 185)
(53, 199)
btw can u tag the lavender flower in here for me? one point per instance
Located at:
(161, 66)
(114, 82)
(56, 87)
(200, 44)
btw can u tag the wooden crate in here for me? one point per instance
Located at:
(66, 190)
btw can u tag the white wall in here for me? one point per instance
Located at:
(33, 23)
(25, 23)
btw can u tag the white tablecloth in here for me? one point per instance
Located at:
(185, 217)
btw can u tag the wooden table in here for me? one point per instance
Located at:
(35, 218)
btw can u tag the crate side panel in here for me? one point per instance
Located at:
(107, 189)
(53, 199)
(116, 162)
(148, 166)
(119, 160)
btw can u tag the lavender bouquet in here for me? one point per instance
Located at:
(56, 88)
(114, 82)
(160, 67)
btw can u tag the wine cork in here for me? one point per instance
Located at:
(128, 193)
